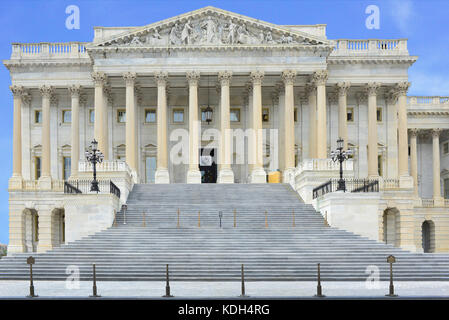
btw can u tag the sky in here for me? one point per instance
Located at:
(424, 23)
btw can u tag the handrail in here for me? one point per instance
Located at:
(352, 185)
(68, 188)
(83, 186)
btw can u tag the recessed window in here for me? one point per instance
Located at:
(295, 115)
(446, 147)
(37, 116)
(265, 115)
(91, 115)
(350, 115)
(121, 116)
(234, 115)
(66, 167)
(178, 115)
(379, 165)
(37, 167)
(379, 114)
(150, 115)
(66, 116)
(36, 227)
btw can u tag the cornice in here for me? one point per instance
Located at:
(372, 60)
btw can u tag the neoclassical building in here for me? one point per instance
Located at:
(134, 88)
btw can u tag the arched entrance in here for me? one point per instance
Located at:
(31, 230)
(390, 225)
(58, 227)
(428, 236)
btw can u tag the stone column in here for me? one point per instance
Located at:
(342, 88)
(194, 174)
(258, 174)
(131, 127)
(45, 179)
(414, 159)
(401, 92)
(371, 90)
(311, 94)
(436, 166)
(320, 78)
(16, 180)
(100, 132)
(162, 175)
(75, 130)
(288, 77)
(226, 175)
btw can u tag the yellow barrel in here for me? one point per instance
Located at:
(274, 177)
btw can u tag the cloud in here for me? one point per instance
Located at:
(402, 12)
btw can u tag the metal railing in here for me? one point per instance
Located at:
(83, 186)
(352, 185)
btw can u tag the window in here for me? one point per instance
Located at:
(234, 115)
(445, 147)
(150, 166)
(66, 167)
(37, 167)
(66, 116)
(379, 114)
(36, 227)
(178, 115)
(350, 115)
(121, 116)
(37, 116)
(295, 115)
(446, 188)
(379, 165)
(91, 116)
(265, 115)
(150, 115)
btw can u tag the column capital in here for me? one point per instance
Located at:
(107, 90)
(161, 78)
(401, 88)
(16, 90)
(193, 77)
(130, 78)
(288, 76)
(310, 89)
(436, 132)
(248, 88)
(414, 132)
(256, 77)
(75, 90)
(46, 91)
(99, 78)
(275, 96)
(225, 77)
(320, 77)
(342, 88)
(372, 88)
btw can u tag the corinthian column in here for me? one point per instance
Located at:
(401, 92)
(342, 88)
(194, 174)
(371, 90)
(436, 166)
(258, 174)
(311, 94)
(45, 179)
(16, 180)
(100, 131)
(131, 127)
(75, 130)
(414, 159)
(320, 78)
(162, 175)
(288, 76)
(225, 175)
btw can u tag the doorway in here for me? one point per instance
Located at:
(208, 165)
(428, 236)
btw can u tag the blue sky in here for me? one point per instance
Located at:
(424, 23)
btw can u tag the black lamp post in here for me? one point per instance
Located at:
(340, 155)
(94, 156)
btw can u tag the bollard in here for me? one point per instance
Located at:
(220, 215)
(124, 208)
(199, 219)
(243, 295)
(391, 260)
(31, 261)
(167, 285)
(177, 225)
(266, 219)
(235, 222)
(293, 213)
(319, 291)
(143, 221)
(94, 283)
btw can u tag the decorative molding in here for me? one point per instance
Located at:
(193, 77)
(256, 77)
(225, 78)
(372, 88)
(342, 88)
(46, 91)
(320, 77)
(99, 78)
(130, 78)
(401, 89)
(288, 77)
(161, 78)
(74, 90)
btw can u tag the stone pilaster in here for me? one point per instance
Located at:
(75, 91)
(438, 200)
(194, 174)
(162, 175)
(371, 90)
(414, 159)
(320, 78)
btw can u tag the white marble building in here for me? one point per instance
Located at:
(132, 87)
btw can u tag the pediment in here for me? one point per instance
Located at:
(210, 26)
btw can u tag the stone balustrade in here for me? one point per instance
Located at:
(431, 101)
(324, 165)
(105, 166)
(374, 47)
(33, 185)
(48, 50)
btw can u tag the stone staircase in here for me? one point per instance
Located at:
(268, 244)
